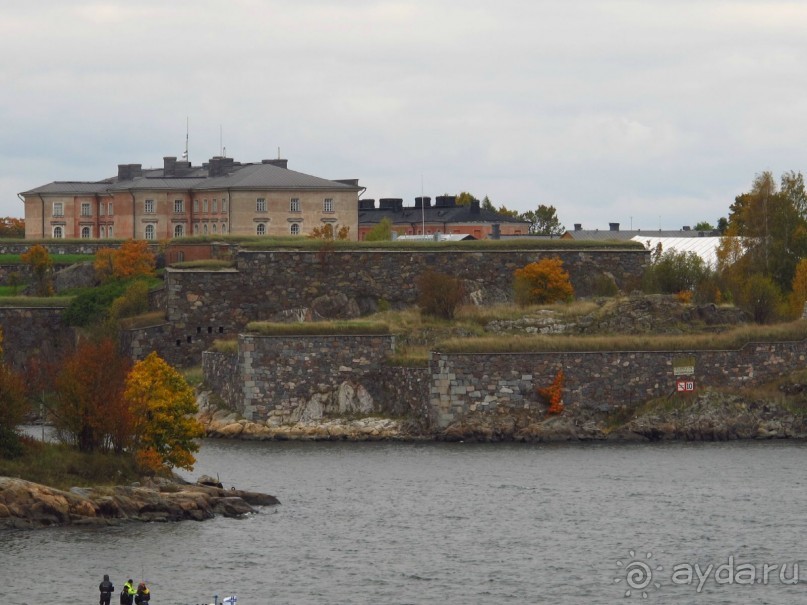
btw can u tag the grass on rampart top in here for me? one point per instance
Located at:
(306, 243)
(729, 340)
(210, 264)
(35, 301)
(59, 259)
(64, 467)
(315, 328)
(146, 320)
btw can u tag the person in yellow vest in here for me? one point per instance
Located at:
(143, 595)
(128, 593)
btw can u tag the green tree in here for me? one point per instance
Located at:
(760, 297)
(464, 198)
(381, 232)
(771, 228)
(671, 272)
(544, 221)
(163, 404)
(704, 226)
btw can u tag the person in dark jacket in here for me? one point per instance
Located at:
(106, 589)
(143, 594)
(128, 593)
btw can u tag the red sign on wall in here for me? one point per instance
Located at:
(684, 386)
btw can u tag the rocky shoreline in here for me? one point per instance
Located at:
(708, 416)
(27, 505)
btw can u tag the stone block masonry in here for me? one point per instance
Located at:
(466, 384)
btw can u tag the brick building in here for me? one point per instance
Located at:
(221, 196)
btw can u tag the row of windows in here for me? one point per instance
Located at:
(86, 232)
(294, 205)
(179, 206)
(294, 229)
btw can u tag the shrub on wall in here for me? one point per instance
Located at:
(542, 282)
(439, 294)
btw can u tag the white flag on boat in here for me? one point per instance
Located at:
(230, 600)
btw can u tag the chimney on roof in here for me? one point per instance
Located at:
(475, 207)
(613, 226)
(685, 228)
(169, 165)
(578, 226)
(391, 203)
(126, 172)
(423, 202)
(279, 163)
(367, 204)
(445, 201)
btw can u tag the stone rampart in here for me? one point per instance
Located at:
(33, 332)
(463, 384)
(292, 285)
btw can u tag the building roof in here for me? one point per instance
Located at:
(705, 247)
(219, 173)
(628, 234)
(434, 214)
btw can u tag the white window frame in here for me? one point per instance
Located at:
(327, 205)
(294, 204)
(109, 209)
(86, 233)
(215, 207)
(58, 209)
(260, 204)
(86, 209)
(294, 229)
(148, 207)
(179, 206)
(150, 232)
(204, 205)
(260, 229)
(179, 231)
(58, 232)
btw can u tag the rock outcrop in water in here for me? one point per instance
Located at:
(25, 505)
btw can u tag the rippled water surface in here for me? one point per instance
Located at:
(453, 524)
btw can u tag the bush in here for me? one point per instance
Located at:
(133, 301)
(761, 298)
(673, 272)
(439, 294)
(93, 305)
(542, 282)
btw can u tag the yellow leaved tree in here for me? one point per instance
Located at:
(163, 404)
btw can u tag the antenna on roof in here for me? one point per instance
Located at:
(278, 152)
(185, 153)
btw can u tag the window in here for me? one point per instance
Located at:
(109, 232)
(204, 206)
(101, 209)
(179, 207)
(204, 229)
(261, 229)
(224, 228)
(148, 207)
(58, 209)
(58, 232)
(196, 228)
(224, 204)
(85, 209)
(103, 231)
(294, 206)
(179, 231)
(295, 229)
(214, 227)
(328, 205)
(149, 231)
(109, 208)
(260, 206)
(85, 233)
(215, 205)
(196, 205)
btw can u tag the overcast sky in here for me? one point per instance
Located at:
(650, 113)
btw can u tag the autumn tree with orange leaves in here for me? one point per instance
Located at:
(132, 259)
(542, 282)
(553, 394)
(163, 404)
(13, 406)
(41, 264)
(89, 410)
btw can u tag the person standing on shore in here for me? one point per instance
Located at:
(128, 593)
(106, 588)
